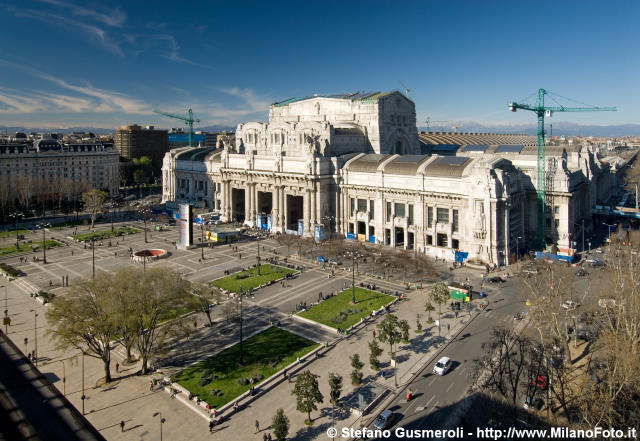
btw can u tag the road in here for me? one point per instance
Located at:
(434, 396)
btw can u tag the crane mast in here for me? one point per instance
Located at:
(541, 111)
(189, 120)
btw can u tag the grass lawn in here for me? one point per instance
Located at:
(338, 312)
(106, 234)
(28, 247)
(12, 233)
(250, 279)
(264, 354)
(70, 224)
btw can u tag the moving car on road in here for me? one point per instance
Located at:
(442, 366)
(384, 420)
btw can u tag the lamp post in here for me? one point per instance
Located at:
(609, 226)
(353, 254)
(583, 235)
(6, 311)
(518, 248)
(241, 354)
(35, 333)
(64, 380)
(113, 208)
(83, 397)
(162, 421)
(44, 243)
(93, 257)
(16, 215)
(202, 240)
(258, 242)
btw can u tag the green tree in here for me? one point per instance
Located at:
(439, 294)
(418, 323)
(158, 293)
(374, 352)
(94, 203)
(429, 307)
(390, 330)
(307, 394)
(83, 318)
(356, 373)
(335, 387)
(404, 329)
(280, 425)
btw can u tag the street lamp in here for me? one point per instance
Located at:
(241, 353)
(6, 311)
(93, 257)
(353, 254)
(35, 333)
(162, 421)
(16, 215)
(258, 242)
(202, 240)
(83, 397)
(44, 243)
(518, 248)
(609, 226)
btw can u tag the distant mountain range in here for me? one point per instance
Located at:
(96, 130)
(560, 128)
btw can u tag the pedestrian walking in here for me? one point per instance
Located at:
(448, 327)
(212, 424)
(151, 386)
(269, 437)
(117, 367)
(121, 426)
(264, 437)
(257, 426)
(235, 407)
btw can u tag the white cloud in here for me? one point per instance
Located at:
(95, 33)
(114, 17)
(168, 44)
(89, 99)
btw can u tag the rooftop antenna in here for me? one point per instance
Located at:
(406, 89)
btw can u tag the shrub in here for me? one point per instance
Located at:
(243, 381)
(203, 381)
(255, 378)
(46, 296)
(216, 393)
(241, 276)
(8, 269)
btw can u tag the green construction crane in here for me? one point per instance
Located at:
(541, 110)
(188, 121)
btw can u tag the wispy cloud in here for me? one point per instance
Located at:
(256, 104)
(167, 44)
(89, 98)
(95, 33)
(113, 17)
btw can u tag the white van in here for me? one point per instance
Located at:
(442, 366)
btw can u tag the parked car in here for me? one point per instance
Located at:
(384, 420)
(570, 304)
(334, 262)
(495, 279)
(320, 259)
(442, 366)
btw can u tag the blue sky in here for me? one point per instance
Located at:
(107, 63)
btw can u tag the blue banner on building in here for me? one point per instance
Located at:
(259, 220)
(371, 239)
(351, 236)
(460, 256)
(268, 222)
(318, 232)
(300, 227)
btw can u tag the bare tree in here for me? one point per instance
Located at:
(202, 298)
(94, 203)
(24, 190)
(287, 240)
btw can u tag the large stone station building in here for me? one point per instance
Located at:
(356, 165)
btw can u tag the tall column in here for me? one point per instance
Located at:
(314, 215)
(223, 199)
(247, 203)
(282, 219)
(275, 202)
(338, 210)
(252, 198)
(307, 211)
(319, 214)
